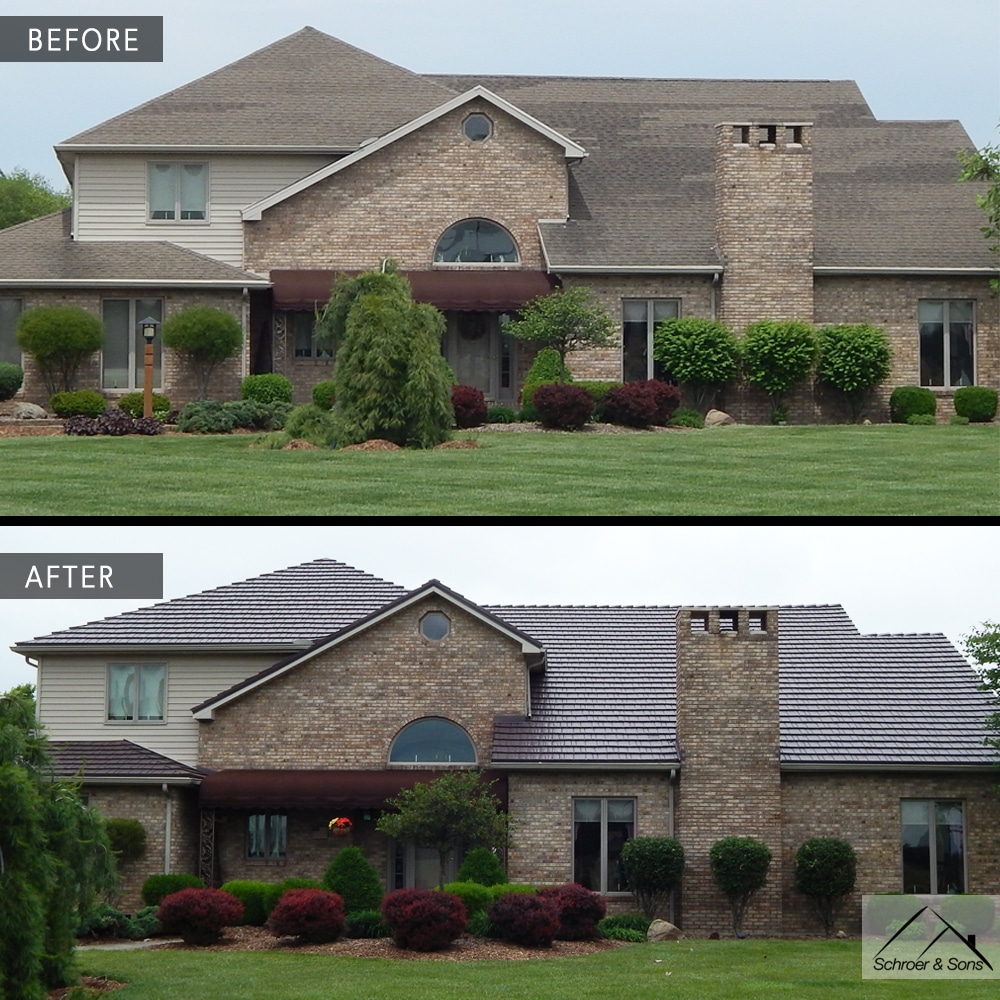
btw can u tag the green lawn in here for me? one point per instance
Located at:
(886, 470)
(698, 970)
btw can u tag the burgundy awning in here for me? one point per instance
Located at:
(316, 789)
(466, 291)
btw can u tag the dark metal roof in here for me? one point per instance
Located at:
(117, 759)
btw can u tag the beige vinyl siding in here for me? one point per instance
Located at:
(72, 694)
(111, 198)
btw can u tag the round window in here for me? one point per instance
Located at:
(434, 626)
(477, 128)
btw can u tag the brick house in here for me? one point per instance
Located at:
(253, 187)
(236, 723)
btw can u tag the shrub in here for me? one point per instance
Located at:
(958, 421)
(60, 339)
(199, 915)
(127, 838)
(354, 878)
(885, 909)
(701, 354)
(101, 922)
(313, 424)
(777, 356)
(366, 924)
(562, 407)
(275, 890)
(423, 919)
(312, 915)
(579, 910)
(500, 415)
(147, 425)
(921, 420)
(483, 866)
(206, 416)
(266, 389)
(469, 405)
(116, 423)
(977, 402)
(475, 897)
(639, 404)
(975, 913)
(509, 888)
(204, 337)
(739, 867)
(853, 359)
(629, 934)
(653, 867)
(527, 920)
(907, 400)
(598, 390)
(633, 923)
(544, 370)
(251, 894)
(143, 925)
(83, 402)
(479, 925)
(686, 418)
(915, 930)
(825, 871)
(324, 394)
(157, 886)
(133, 403)
(11, 380)
(80, 426)
(251, 415)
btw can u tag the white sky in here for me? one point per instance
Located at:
(890, 579)
(932, 59)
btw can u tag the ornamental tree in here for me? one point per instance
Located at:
(653, 868)
(60, 339)
(457, 808)
(983, 646)
(739, 867)
(825, 870)
(777, 356)
(984, 165)
(853, 359)
(701, 354)
(204, 337)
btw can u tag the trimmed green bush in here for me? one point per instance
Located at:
(158, 886)
(483, 866)
(598, 390)
(686, 418)
(251, 894)
(206, 416)
(81, 402)
(501, 415)
(133, 403)
(506, 888)
(921, 420)
(11, 380)
(60, 339)
(908, 400)
(251, 415)
(888, 908)
(633, 923)
(700, 354)
(853, 359)
(324, 394)
(274, 891)
(975, 913)
(825, 871)
(354, 878)
(777, 356)
(653, 867)
(127, 838)
(739, 867)
(476, 897)
(204, 337)
(266, 389)
(545, 369)
(977, 402)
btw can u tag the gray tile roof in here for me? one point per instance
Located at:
(41, 250)
(307, 90)
(117, 759)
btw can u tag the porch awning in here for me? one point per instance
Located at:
(465, 291)
(317, 789)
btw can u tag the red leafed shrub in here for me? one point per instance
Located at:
(532, 921)
(469, 406)
(579, 911)
(423, 919)
(311, 915)
(639, 404)
(563, 407)
(199, 915)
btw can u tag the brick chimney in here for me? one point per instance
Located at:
(730, 781)
(764, 221)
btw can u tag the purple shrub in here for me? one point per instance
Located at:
(528, 920)
(423, 919)
(579, 911)
(563, 407)
(469, 406)
(199, 915)
(312, 915)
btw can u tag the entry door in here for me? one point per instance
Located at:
(417, 867)
(481, 354)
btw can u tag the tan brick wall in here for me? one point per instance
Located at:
(730, 784)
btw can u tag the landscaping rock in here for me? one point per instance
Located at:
(27, 411)
(718, 418)
(663, 930)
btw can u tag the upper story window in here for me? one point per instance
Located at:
(178, 192)
(432, 741)
(476, 241)
(10, 350)
(137, 692)
(477, 127)
(947, 342)
(639, 319)
(435, 626)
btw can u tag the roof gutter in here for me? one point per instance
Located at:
(27, 649)
(969, 272)
(585, 765)
(637, 268)
(841, 766)
(134, 283)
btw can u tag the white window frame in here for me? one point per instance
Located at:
(19, 307)
(930, 806)
(651, 322)
(946, 304)
(135, 720)
(604, 800)
(176, 169)
(135, 372)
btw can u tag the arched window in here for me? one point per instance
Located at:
(476, 241)
(432, 741)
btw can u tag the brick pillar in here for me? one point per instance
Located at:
(730, 781)
(764, 222)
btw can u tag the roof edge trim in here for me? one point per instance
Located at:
(822, 269)
(134, 283)
(637, 268)
(897, 766)
(584, 765)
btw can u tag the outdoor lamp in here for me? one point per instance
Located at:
(148, 326)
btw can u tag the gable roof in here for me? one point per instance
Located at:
(118, 761)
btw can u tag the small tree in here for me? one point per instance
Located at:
(457, 808)
(853, 359)
(60, 339)
(701, 354)
(777, 356)
(739, 867)
(482, 866)
(825, 870)
(983, 646)
(25, 196)
(653, 868)
(204, 337)
(984, 165)
(567, 320)
(353, 877)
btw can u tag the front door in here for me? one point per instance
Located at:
(481, 354)
(419, 867)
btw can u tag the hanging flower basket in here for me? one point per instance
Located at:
(340, 826)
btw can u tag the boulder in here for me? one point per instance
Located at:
(718, 418)
(27, 411)
(663, 930)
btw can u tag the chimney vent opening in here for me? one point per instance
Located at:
(728, 621)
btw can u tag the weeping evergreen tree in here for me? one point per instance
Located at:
(54, 858)
(391, 379)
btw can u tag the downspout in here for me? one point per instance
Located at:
(672, 911)
(245, 321)
(716, 280)
(167, 819)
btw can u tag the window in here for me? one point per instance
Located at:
(136, 692)
(432, 741)
(947, 342)
(477, 128)
(10, 351)
(178, 191)
(933, 847)
(476, 241)
(639, 319)
(267, 836)
(435, 626)
(600, 829)
(124, 346)
(302, 326)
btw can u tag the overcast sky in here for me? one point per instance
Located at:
(913, 59)
(890, 579)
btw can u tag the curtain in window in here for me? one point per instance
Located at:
(193, 191)
(121, 692)
(152, 680)
(960, 342)
(161, 191)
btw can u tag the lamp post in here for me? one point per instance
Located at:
(149, 326)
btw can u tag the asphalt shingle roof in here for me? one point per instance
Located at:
(117, 759)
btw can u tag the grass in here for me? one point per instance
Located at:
(877, 471)
(699, 970)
